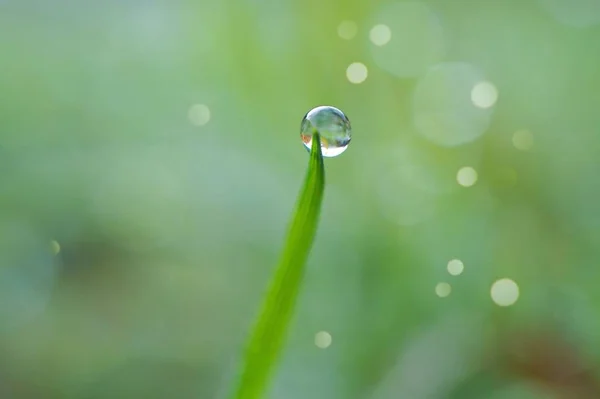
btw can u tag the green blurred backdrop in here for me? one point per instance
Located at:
(150, 158)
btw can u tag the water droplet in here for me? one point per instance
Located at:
(333, 127)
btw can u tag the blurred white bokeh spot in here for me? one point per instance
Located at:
(429, 168)
(418, 38)
(323, 339)
(455, 267)
(54, 247)
(575, 13)
(443, 110)
(522, 139)
(357, 72)
(466, 176)
(347, 30)
(504, 292)
(199, 114)
(443, 290)
(380, 35)
(484, 94)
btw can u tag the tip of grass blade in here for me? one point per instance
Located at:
(267, 337)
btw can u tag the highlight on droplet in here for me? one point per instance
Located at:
(323, 339)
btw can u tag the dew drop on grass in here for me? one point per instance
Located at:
(333, 128)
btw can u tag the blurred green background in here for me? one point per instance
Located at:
(150, 159)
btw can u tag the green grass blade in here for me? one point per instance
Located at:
(267, 338)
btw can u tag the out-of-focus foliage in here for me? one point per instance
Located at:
(150, 158)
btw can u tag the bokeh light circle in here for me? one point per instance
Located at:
(347, 30)
(357, 72)
(418, 39)
(466, 176)
(199, 114)
(522, 140)
(443, 110)
(504, 292)
(484, 94)
(380, 35)
(323, 339)
(443, 289)
(455, 267)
